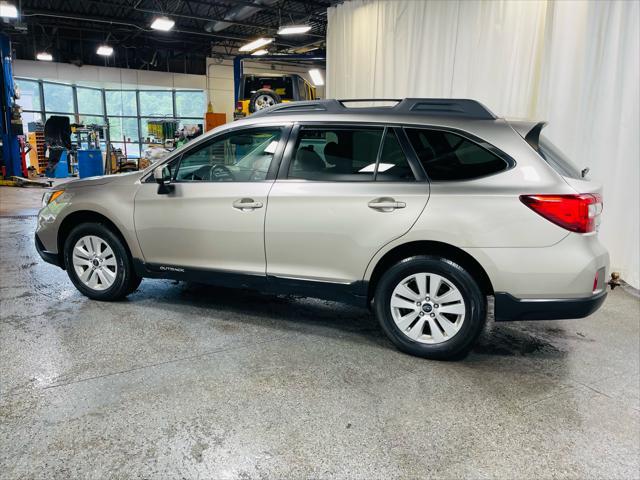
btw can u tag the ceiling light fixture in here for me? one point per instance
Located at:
(294, 29)
(316, 77)
(44, 56)
(260, 52)
(162, 23)
(251, 46)
(104, 50)
(8, 10)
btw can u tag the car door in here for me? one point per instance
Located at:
(213, 219)
(342, 193)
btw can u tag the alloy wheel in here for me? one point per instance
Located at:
(427, 308)
(94, 262)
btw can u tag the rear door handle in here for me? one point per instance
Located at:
(246, 204)
(386, 204)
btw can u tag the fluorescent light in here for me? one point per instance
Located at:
(260, 52)
(44, 56)
(294, 29)
(316, 77)
(104, 50)
(162, 23)
(250, 47)
(7, 10)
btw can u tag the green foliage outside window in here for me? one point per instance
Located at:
(58, 98)
(89, 101)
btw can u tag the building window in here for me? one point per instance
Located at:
(190, 104)
(90, 101)
(128, 123)
(29, 94)
(58, 98)
(122, 103)
(156, 103)
(124, 129)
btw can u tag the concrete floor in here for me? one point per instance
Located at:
(184, 381)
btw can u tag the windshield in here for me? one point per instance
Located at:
(557, 160)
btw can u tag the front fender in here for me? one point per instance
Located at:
(114, 202)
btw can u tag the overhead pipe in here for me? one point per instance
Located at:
(237, 13)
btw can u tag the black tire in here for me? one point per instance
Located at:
(265, 91)
(126, 280)
(475, 307)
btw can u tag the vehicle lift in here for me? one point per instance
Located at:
(10, 124)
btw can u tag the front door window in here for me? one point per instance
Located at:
(243, 156)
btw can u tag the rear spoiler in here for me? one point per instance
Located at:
(528, 130)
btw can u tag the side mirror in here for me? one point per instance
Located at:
(164, 186)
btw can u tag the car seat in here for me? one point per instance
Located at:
(335, 156)
(307, 160)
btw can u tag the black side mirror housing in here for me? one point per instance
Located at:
(164, 186)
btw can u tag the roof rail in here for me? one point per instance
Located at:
(449, 107)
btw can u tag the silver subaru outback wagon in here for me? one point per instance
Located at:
(424, 210)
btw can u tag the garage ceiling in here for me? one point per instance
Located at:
(71, 30)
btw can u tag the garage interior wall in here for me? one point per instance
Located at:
(106, 77)
(574, 64)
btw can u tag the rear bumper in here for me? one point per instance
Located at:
(52, 258)
(510, 308)
(563, 270)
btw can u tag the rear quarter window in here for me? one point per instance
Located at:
(446, 156)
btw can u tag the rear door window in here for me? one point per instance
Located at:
(446, 156)
(345, 154)
(334, 154)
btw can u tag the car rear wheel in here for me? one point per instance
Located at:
(98, 263)
(430, 306)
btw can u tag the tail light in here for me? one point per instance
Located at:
(577, 213)
(239, 106)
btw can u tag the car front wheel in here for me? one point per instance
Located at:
(98, 263)
(430, 306)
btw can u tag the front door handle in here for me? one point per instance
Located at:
(246, 204)
(385, 204)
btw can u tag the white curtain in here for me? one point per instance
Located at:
(573, 63)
